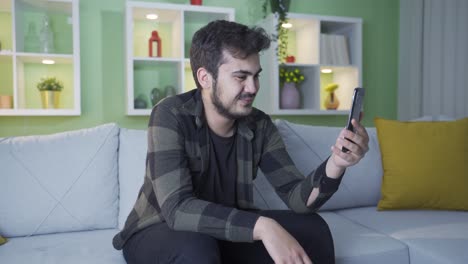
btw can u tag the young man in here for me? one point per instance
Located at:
(204, 150)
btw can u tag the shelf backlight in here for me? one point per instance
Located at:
(326, 70)
(152, 16)
(45, 61)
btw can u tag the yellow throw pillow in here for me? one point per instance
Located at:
(425, 164)
(2, 240)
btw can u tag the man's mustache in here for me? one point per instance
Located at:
(246, 96)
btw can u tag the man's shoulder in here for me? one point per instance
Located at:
(178, 108)
(184, 104)
(177, 101)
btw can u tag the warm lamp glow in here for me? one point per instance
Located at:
(287, 25)
(326, 70)
(152, 16)
(45, 61)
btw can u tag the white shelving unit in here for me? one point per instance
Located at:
(175, 25)
(311, 57)
(22, 65)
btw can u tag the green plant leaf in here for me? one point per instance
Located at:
(50, 84)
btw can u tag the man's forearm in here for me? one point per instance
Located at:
(332, 170)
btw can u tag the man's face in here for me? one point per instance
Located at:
(234, 91)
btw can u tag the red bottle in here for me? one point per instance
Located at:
(154, 38)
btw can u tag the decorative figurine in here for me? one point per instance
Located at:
(196, 2)
(331, 100)
(155, 39)
(140, 102)
(169, 90)
(155, 96)
(290, 59)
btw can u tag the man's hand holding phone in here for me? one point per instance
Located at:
(352, 142)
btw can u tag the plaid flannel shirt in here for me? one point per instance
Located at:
(178, 153)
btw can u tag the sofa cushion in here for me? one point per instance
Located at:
(90, 247)
(132, 156)
(309, 146)
(425, 164)
(432, 236)
(60, 182)
(357, 244)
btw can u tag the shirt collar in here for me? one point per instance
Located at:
(194, 107)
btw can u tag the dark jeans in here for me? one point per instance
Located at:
(159, 244)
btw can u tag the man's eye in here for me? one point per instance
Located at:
(241, 78)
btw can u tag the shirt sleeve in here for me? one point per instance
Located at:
(291, 186)
(169, 172)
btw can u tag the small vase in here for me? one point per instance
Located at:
(290, 96)
(140, 102)
(155, 96)
(50, 99)
(196, 2)
(46, 36)
(31, 39)
(6, 101)
(331, 101)
(169, 91)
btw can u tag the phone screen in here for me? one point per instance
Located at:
(356, 109)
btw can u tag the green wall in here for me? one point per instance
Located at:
(103, 63)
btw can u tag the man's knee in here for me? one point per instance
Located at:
(314, 227)
(311, 231)
(161, 246)
(202, 249)
(318, 241)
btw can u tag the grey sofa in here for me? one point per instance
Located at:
(64, 196)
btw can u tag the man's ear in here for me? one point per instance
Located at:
(204, 78)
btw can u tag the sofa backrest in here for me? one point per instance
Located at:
(309, 146)
(59, 183)
(132, 157)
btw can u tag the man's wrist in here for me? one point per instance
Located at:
(261, 227)
(332, 170)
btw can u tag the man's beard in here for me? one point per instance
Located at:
(222, 109)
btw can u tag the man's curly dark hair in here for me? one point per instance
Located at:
(210, 41)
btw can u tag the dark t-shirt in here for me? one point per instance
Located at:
(219, 186)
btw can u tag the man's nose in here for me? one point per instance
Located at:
(251, 86)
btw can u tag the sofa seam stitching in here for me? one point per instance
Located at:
(372, 229)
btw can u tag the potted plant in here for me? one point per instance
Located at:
(50, 89)
(280, 8)
(290, 78)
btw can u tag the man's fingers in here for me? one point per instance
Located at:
(360, 130)
(306, 259)
(345, 156)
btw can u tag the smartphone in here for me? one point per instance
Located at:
(356, 109)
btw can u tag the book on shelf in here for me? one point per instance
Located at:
(334, 49)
